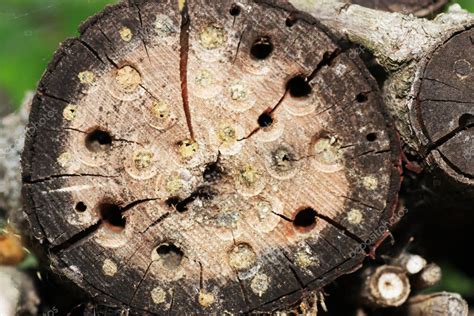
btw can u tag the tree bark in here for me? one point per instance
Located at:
(430, 65)
(191, 160)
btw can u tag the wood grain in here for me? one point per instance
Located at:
(291, 169)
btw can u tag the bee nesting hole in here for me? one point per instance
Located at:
(170, 255)
(265, 120)
(371, 137)
(299, 87)
(262, 48)
(112, 217)
(235, 10)
(80, 207)
(98, 140)
(305, 219)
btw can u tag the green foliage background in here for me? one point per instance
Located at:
(30, 31)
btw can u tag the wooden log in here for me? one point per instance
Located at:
(421, 8)
(385, 286)
(430, 65)
(429, 276)
(411, 263)
(437, 304)
(202, 157)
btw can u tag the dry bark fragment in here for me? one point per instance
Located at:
(430, 65)
(207, 160)
(419, 8)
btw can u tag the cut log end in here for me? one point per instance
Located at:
(443, 114)
(191, 160)
(386, 286)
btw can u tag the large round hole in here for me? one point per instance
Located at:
(265, 120)
(299, 86)
(305, 219)
(235, 10)
(81, 207)
(262, 48)
(112, 217)
(465, 120)
(170, 255)
(372, 137)
(98, 140)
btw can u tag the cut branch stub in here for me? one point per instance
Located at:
(420, 8)
(443, 111)
(207, 158)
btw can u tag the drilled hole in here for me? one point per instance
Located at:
(305, 219)
(170, 255)
(98, 140)
(372, 137)
(262, 48)
(112, 217)
(361, 98)
(212, 172)
(290, 21)
(235, 10)
(265, 120)
(466, 120)
(298, 87)
(81, 207)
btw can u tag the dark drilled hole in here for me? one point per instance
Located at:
(265, 120)
(298, 87)
(372, 137)
(112, 217)
(98, 140)
(212, 172)
(290, 21)
(235, 10)
(170, 255)
(466, 119)
(362, 97)
(305, 219)
(81, 207)
(262, 48)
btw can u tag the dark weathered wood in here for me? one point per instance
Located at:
(207, 158)
(420, 8)
(443, 111)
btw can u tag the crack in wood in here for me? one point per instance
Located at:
(60, 176)
(183, 65)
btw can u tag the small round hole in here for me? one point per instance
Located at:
(362, 97)
(98, 140)
(112, 217)
(299, 87)
(81, 207)
(466, 119)
(265, 120)
(290, 21)
(170, 255)
(262, 48)
(305, 219)
(235, 10)
(371, 137)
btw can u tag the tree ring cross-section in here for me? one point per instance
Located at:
(203, 157)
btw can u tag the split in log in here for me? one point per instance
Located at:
(421, 8)
(431, 67)
(207, 157)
